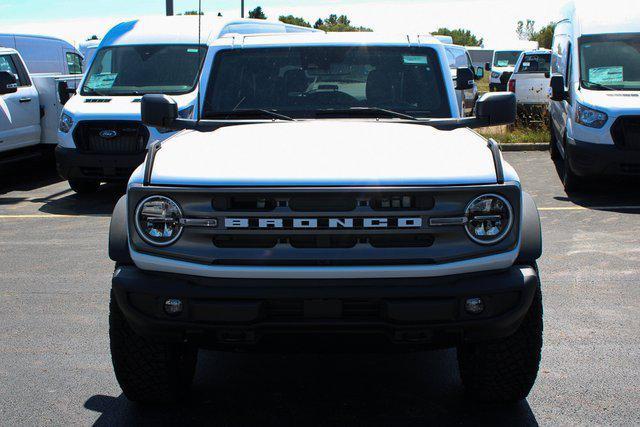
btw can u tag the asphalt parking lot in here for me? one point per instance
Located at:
(55, 366)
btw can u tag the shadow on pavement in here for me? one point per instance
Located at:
(246, 390)
(614, 194)
(27, 175)
(101, 203)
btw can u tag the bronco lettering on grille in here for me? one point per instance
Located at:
(323, 223)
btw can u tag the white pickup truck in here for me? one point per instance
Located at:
(328, 194)
(30, 107)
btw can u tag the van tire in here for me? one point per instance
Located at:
(82, 186)
(554, 152)
(148, 372)
(504, 371)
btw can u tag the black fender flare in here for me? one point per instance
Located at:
(531, 232)
(119, 234)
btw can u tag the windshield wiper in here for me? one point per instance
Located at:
(250, 113)
(92, 92)
(353, 111)
(592, 85)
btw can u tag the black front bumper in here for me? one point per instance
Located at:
(248, 313)
(74, 164)
(589, 159)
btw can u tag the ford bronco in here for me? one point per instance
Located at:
(329, 198)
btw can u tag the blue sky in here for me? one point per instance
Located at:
(75, 20)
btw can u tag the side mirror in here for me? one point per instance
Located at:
(465, 78)
(558, 92)
(63, 92)
(159, 111)
(487, 66)
(496, 109)
(8, 83)
(479, 73)
(547, 75)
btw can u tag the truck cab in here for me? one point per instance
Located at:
(531, 78)
(326, 189)
(101, 137)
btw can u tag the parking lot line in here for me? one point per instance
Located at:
(45, 216)
(582, 208)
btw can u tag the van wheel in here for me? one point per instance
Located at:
(504, 371)
(148, 372)
(84, 186)
(570, 180)
(553, 143)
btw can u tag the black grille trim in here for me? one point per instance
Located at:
(131, 137)
(625, 132)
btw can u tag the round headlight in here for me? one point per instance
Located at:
(489, 219)
(158, 220)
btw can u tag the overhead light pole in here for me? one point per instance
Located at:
(169, 7)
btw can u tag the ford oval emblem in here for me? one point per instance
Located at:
(108, 134)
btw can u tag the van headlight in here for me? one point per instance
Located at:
(589, 117)
(66, 123)
(158, 220)
(489, 219)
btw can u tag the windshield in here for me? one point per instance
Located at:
(506, 58)
(137, 70)
(610, 61)
(308, 81)
(536, 63)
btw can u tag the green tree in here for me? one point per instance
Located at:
(460, 36)
(337, 23)
(257, 13)
(544, 36)
(294, 20)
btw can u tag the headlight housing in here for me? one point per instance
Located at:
(66, 123)
(495, 75)
(589, 117)
(157, 220)
(489, 219)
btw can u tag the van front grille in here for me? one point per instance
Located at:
(626, 133)
(111, 137)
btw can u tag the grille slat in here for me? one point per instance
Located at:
(111, 137)
(626, 133)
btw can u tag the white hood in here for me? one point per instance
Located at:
(324, 153)
(614, 103)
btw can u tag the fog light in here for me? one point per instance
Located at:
(474, 305)
(173, 306)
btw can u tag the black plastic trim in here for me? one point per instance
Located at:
(497, 160)
(151, 156)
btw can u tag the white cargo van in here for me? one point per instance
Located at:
(101, 137)
(595, 108)
(530, 80)
(44, 54)
(88, 50)
(30, 107)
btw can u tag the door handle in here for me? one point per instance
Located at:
(25, 100)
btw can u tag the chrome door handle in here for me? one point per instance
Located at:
(25, 100)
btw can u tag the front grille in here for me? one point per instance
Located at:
(626, 133)
(111, 137)
(345, 310)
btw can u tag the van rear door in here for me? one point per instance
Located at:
(532, 79)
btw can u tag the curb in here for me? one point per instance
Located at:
(534, 146)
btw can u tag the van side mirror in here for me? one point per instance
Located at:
(479, 73)
(159, 111)
(558, 92)
(497, 108)
(8, 83)
(487, 66)
(464, 79)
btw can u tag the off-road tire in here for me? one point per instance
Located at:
(504, 371)
(148, 372)
(84, 186)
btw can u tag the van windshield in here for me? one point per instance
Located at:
(536, 63)
(506, 58)
(610, 61)
(142, 69)
(306, 82)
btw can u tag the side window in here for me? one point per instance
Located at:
(469, 61)
(451, 59)
(74, 63)
(8, 63)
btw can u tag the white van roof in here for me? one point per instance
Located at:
(184, 30)
(38, 36)
(619, 16)
(326, 39)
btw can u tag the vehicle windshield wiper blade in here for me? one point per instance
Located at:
(249, 113)
(592, 85)
(359, 110)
